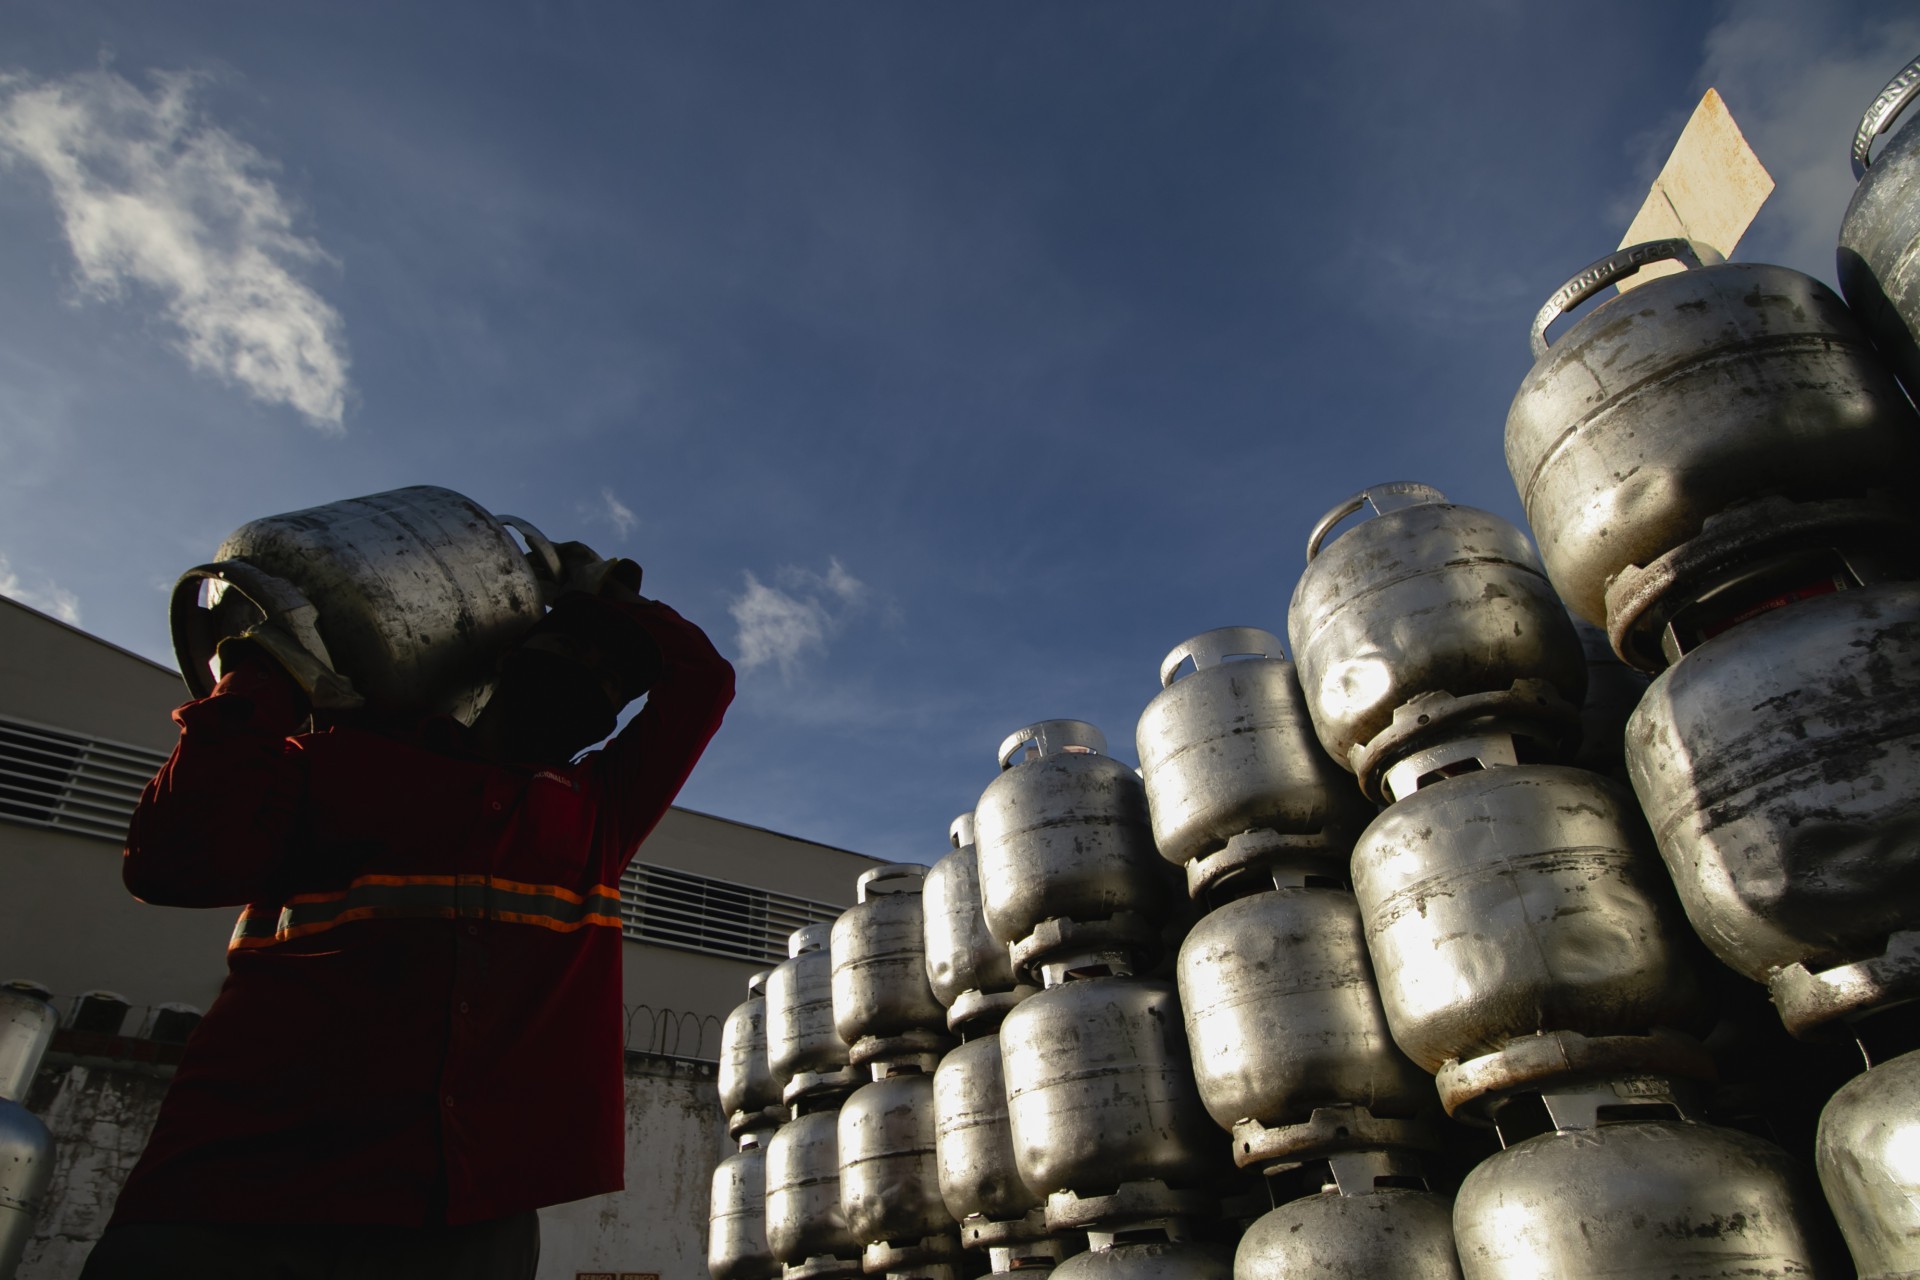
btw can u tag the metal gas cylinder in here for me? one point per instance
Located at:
(807, 1056)
(883, 1005)
(1779, 765)
(748, 1092)
(1879, 254)
(1387, 1233)
(806, 1227)
(1067, 860)
(967, 966)
(974, 1141)
(1427, 620)
(412, 594)
(890, 1174)
(1234, 776)
(1100, 1094)
(1710, 421)
(1614, 689)
(1869, 1159)
(1615, 1193)
(1526, 899)
(1150, 1260)
(737, 1247)
(1283, 1019)
(26, 1148)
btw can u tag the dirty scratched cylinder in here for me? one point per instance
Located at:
(806, 1226)
(1869, 1161)
(26, 1148)
(1425, 622)
(1520, 900)
(883, 1005)
(1879, 252)
(1283, 1016)
(1066, 854)
(974, 1143)
(748, 1092)
(804, 1051)
(1704, 423)
(737, 1247)
(967, 967)
(1385, 1234)
(1150, 1260)
(1614, 1193)
(413, 594)
(890, 1174)
(1100, 1094)
(1779, 766)
(1234, 775)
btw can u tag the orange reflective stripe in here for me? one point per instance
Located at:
(558, 926)
(515, 886)
(385, 897)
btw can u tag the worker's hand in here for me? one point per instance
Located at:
(325, 688)
(582, 569)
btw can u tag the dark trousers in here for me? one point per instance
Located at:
(504, 1249)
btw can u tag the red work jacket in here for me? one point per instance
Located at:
(421, 1020)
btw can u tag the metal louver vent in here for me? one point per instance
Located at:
(671, 908)
(52, 778)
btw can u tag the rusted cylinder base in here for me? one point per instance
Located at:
(824, 1267)
(1813, 1003)
(1643, 601)
(1553, 1059)
(1323, 853)
(975, 1013)
(767, 1118)
(1124, 931)
(988, 1233)
(1328, 1131)
(900, 1256)
(1531, 710)
(906, 1046)
(814, 1085)
(1030, 1255)
(1131, 1204)
(925, 1271)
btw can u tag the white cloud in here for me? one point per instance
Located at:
(619, 512)
(781, 625)
(47, 598)
(152, 195)
(1798, 83)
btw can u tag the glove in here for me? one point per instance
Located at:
(583, 570)
(326, 689)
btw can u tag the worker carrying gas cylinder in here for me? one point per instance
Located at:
(420, 1038)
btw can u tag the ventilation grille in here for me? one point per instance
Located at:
(51, 778)
(671, 908)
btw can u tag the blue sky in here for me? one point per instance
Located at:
(949, 363)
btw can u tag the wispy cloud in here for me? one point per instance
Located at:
(619, 513)
(1798, 83)
(782, 624)
(48, 597)
(152, 195)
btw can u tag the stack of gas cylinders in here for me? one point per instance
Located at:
(1445, 949)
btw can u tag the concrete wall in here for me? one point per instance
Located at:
(100, 1115)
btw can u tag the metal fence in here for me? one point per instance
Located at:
(673, 1033)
